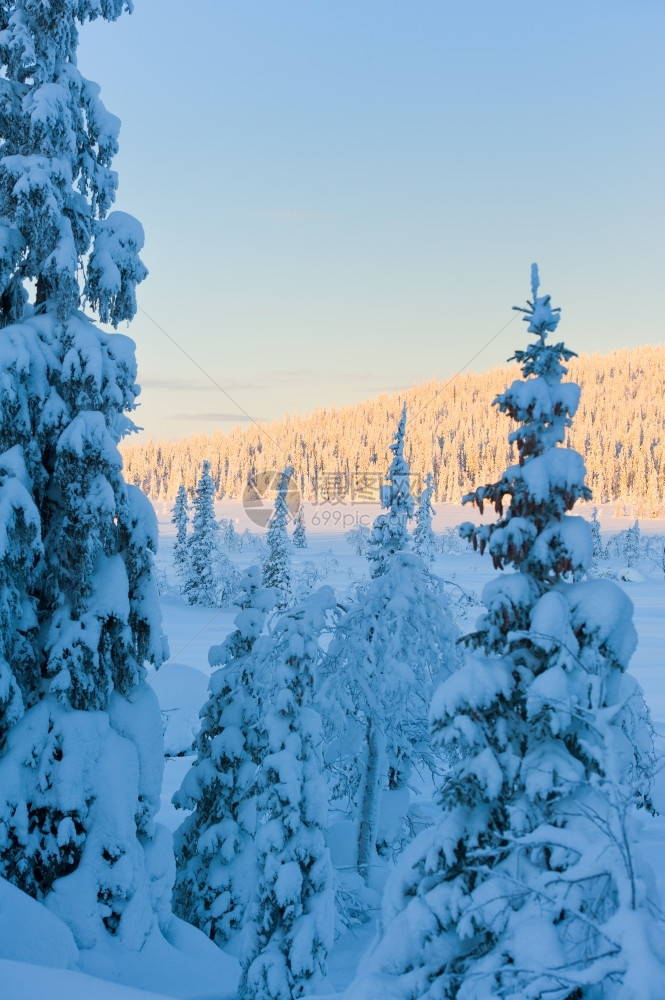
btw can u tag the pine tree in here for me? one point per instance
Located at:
(202, 544)
(290, 923)
(529, 886)
(277, 567)
(390, 533)
(215, 856)
(181, 520)
(299, 533)
(79, 607)
(596, 540)
(424, 539)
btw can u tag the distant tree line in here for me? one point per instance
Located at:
(453, 432)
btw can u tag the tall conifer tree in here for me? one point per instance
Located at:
(202, 544)
(277, 567)
(424, 539)
(215, 853)
(390, 533)
(290, 920)
(181, 520)
(530, 886)
(79, 605)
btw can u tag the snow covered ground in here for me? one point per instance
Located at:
(38, 956)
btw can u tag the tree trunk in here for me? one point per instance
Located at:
(370, 799)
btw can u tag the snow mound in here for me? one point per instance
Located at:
(31, 933)
(181, 691)
(20, 980)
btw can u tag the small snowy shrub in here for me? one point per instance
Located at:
(358, 539)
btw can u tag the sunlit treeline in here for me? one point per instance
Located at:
(453, 431)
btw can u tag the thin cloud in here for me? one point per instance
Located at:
(194, 385)
(289, 213)
(280, 377)
(176, 384)
(218, 417)
(265, 381)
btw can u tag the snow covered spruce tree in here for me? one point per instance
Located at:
(79, 609)
(215, 855)
(530, 886)
(299, 533)
(596, 539)
(290, 920)
(424, 539)
(210, 578)
(202, 549)
(181, 520)
(277, 567)
(390, 532)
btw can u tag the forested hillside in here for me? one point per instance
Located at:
(452, 431)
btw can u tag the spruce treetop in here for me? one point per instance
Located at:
(533, 496)
(56, 180)
(397, 497)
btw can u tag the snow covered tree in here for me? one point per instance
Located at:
(79, 608)
(215, 856)
(19, 534)
(390, 533)
(203, 553)
(277, 567)
(181, 520)
(632, 545)
(299, 533)
(388, 650)
(290, 921)
(530, 887)
(596, 540)
(231, 539)
(424, 539)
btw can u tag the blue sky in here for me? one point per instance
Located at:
(344, 197)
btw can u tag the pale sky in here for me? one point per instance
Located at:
(344, 197)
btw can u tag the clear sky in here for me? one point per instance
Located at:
(344, 197)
